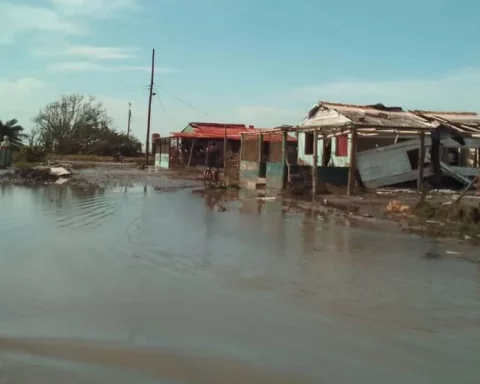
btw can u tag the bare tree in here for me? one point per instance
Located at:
(70, 124)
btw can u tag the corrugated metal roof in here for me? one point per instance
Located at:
(462, 119)
(213, 130)
(366, 115)
(217, 131)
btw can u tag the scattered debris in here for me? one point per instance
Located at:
(395, 206)
(61, 181)
(38, 175)
(452, 253)
(435, 222)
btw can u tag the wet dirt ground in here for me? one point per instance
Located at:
(162, 283)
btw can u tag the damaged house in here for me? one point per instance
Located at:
(377, 146)
(188, 147)
(385, 145)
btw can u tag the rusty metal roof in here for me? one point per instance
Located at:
(376, 115)
(469, 121)
(217, 131)
(202, 130)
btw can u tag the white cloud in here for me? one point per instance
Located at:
(93, 8)
(86, 66)
(21, 98)
(17, 19)
(89, 51)
(20, 87)
(60, 16)
(459, 90)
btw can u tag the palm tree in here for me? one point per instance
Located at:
(14, 132)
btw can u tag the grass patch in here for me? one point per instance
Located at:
(455, 218)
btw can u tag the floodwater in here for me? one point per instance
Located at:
(140, 285)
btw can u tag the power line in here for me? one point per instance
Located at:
(184, 102)
(163, 107)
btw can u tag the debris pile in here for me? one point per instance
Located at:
(38, 175)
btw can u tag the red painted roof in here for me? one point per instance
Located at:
(214, 131)
(217, 131)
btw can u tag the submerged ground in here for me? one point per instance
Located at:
(131, 283)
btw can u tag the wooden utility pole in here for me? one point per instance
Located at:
(150, 108)
(129, 118)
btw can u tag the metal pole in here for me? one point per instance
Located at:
(150, 108)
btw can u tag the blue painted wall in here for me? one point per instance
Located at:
(249, 171)
(275, 175)
(162, 160)
(335, 161)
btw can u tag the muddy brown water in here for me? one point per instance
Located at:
(143, 285)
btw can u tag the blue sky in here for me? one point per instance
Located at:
(261, 62)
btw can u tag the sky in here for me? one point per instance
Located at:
(258, 62)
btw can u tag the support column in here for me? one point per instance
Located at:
(353, 162)
(284, 158)
(421, 161)
(324, 151)
(315, 164)
(242, 143)
(260, 151)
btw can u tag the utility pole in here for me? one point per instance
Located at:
(129, 118)
(149, 108)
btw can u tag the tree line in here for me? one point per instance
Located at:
(75, 124)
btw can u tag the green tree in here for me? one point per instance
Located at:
(14, 131)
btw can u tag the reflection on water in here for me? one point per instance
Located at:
(243, 279)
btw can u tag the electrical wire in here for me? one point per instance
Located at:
(184, 102)
(170, 120)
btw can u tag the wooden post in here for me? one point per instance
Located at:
(224, 150)
(191, 153)
(242, 142)
(284, 158)
(324, 151)
(353, 162)
(315, 164)
(421, 160)
(260, 151)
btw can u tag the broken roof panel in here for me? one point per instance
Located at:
(466, 120)
(375, 116)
